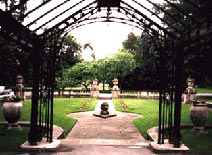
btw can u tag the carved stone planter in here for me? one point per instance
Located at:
(199, 116)
(104, 108)
(12, 112)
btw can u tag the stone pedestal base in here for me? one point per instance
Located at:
(104, 113)
(188, 98)
(13, 126)
(43, 145)
(115, 93)
(166, 148)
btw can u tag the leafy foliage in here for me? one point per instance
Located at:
(83, 73)
(144, 75)
(186, 16)
(13, 61)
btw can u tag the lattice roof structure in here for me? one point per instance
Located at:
(50, 19)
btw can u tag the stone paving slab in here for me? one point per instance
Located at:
(44, 145)
(95, 129)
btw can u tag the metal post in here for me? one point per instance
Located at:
(178, 95)
(33, 133)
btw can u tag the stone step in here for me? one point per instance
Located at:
(83, 141)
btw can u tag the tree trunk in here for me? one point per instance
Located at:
(103, 85)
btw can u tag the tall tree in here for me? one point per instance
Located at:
(196, 59)
(70, 54)
(103, 74)
(121, 64)
(80, 74)
(14, 60)
(88, 45)
(143, 76)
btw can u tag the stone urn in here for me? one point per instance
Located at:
(189, 94)
(199, 115)
(104, 108)
(12, 112)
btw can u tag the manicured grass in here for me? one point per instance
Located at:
(9, 139)
(199, 144)
(204, 90)
(149, 110)
(62, 107)
(65, 106)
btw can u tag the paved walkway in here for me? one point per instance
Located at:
(109, 136)
(111, 131)
(117, 130)
(102, 136)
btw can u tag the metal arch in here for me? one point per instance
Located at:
(162, 20)
(45, 3)
(173, 135)
(84, 18)
(42, 4)
(71, 16)
(110, 17)
(19, 32)
(104, 19)
(167, 14)
(49, 11)
(146, 18)
(91, 22)
(167, 1)
(69, 24)
(166, 101)
(75, 20)
(58, 16)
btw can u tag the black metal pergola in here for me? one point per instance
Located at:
(41, 27)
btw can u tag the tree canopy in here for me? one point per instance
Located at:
(144, 75)
(14, 60)
(196, 59)
(104, 70)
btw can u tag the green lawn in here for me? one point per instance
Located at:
(62, 107)
(203, 90)
(149, 111)
(9, 139)
(147, 108)
(143, 107)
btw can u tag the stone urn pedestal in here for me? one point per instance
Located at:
(95, 89)
(115, 89)
(189, 94)
(199, 116)
(12, 112)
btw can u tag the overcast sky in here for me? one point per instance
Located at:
(105, 38)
